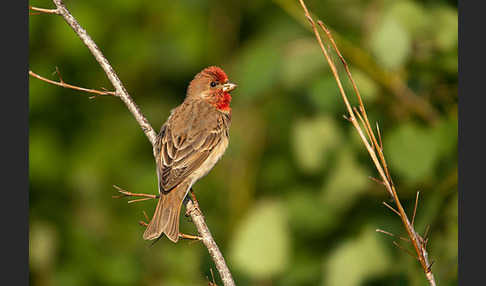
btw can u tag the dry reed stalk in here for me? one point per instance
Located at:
(375, 149)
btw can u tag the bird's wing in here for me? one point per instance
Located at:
(184, 144)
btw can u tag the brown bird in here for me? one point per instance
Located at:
(189, 144)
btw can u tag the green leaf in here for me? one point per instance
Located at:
(312, 141)
(412, 151)
(390, 43)
(261, 245)
(356, 260)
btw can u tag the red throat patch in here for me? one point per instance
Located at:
(223, 102)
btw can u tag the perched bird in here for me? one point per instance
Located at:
(189, 144)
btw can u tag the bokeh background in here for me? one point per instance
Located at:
(290, 203)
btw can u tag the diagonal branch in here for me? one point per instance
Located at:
(120, 91)
(374, 149)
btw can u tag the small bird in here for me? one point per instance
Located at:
(189, 144)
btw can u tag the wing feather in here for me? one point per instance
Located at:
(183, 148)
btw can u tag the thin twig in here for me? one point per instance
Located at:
(120, 91)
(189, 236)
(374, 149)
(125, 193)
(43, 11)
(66, 85)
(211, 283)
(149, 197)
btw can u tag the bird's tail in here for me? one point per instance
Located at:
(166, 215)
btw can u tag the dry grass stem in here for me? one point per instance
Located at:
(392, 235)
(391, 208)
(374, 149)
(415, 208)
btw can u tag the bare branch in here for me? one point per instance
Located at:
(66, 85)
(125, 193)
(198, 219)
(43, 11)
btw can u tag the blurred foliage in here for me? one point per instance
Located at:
(290, 203)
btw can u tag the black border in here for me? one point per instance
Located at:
(472, 141)
(14, 134)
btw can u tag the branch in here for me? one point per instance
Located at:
(198, 219)
(375, 150)
(66, 85)
(120, 91)
(42, 10)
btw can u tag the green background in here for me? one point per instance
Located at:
(290, 203)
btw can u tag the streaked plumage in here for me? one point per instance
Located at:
(188, 146)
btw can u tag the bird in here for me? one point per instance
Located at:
(189, 144)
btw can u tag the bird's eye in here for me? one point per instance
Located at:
(213, 84)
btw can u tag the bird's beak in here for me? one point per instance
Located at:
(227, 87)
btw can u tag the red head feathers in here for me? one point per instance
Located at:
(212, 85)
(217, 73)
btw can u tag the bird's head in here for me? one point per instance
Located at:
(212, 85)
